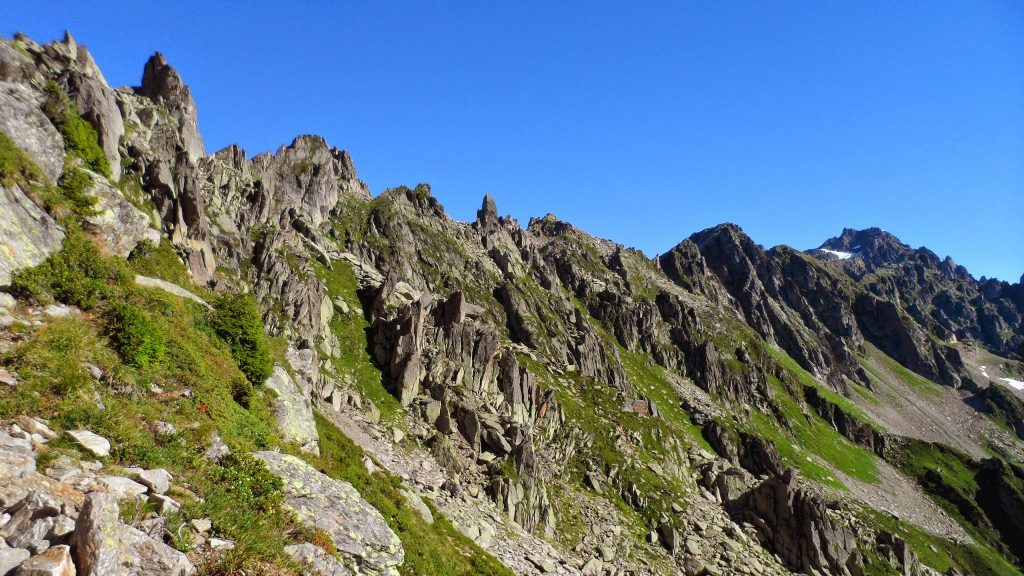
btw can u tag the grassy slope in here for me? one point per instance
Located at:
(57, 386)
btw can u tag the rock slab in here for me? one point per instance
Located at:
(358, 530)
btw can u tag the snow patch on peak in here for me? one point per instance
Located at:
(839, 254)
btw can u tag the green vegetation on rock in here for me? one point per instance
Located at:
(80, 137)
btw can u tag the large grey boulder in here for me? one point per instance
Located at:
(115, 222)
(22, 119)
(27, 234)
(104, 546)
(358, 530)
(294, 411)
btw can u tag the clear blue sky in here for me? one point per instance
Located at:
(642, 122)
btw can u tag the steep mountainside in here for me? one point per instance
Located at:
(225, 364)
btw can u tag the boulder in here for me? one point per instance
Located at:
(10, 558)
(358, 530)
(115, 222)
(158, 480)
(294, 411)
(105, 546)
(55, 561)
(122, 487)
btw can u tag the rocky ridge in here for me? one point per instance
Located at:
(559, 381)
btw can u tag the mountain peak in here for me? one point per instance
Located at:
(874, 246)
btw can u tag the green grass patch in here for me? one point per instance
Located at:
(812, 435)
(351, 330)
(881, 365)
(939, 553)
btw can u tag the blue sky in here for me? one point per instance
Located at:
(642, 122)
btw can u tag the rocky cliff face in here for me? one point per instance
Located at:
(721, 408)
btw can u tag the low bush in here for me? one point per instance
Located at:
(136, 338)
(237, 320)
(69, 199)
(248, 480)
(77, 275)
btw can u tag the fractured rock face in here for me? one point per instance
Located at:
(27, 233)
(22, 120)
(796, 525)
(162, 83)
(358, 531)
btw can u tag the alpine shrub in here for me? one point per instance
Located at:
(136, 338)
(237, 320)
(78, 275)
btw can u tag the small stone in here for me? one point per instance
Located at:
(418, 505)
(94, 443)
(95, 371)
(543, 564)
(7, 302)
(62, 526)
(593, 567)
(122, 487)
(398, 434)
(158, 480)
(34, 426)
(370, 466)
(218, 544)
(487, 534)
(163, 428)
(165, 504)
(7, 378)
(217, 449)
(57, 311)
(607, 553)
(202, 525)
